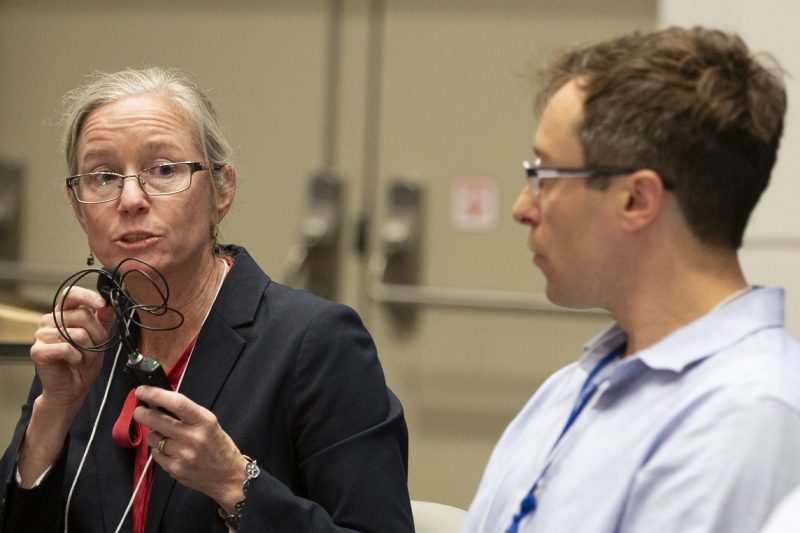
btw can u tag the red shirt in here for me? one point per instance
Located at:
(130, 434)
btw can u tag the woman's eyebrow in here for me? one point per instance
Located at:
(160, 144)
(94, 155)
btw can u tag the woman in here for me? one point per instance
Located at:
(282, 420)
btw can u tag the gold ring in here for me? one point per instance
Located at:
(161, 444)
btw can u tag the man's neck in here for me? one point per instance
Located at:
(658, 305)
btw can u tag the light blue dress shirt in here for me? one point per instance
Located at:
(699, 432)
(786, 516)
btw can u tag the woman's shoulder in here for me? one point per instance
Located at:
(250, 285)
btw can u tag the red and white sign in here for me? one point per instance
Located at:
(473, 202)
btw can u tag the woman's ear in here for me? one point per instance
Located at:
(225, 199)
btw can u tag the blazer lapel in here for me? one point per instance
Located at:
(213, 358)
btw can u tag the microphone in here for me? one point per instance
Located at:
(106, 280)
(141, 369)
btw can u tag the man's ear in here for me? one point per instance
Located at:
(644, 199)
(225, 199)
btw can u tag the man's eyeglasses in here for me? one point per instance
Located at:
(535, 173)
(160, 180)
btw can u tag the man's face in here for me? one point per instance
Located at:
(566, 221)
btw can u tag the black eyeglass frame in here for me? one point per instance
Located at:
(534, 173)
(194, 166)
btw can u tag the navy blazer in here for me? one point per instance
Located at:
(293, 379)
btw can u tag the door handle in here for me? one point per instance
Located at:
(400, 232)
(313, 262)
(11, 175)
(397, 259)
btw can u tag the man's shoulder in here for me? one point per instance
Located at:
(763, 365)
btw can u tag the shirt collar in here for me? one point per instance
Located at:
(726, 324)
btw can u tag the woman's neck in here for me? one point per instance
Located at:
(192, 295)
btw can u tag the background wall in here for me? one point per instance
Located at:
(372, 90)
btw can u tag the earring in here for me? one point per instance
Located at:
(90, 259)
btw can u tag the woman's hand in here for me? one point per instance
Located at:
(196, 452)
(66, 372)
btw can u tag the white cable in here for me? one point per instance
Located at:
(91, 438)
(135, 492)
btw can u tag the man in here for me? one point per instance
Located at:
(684, 416)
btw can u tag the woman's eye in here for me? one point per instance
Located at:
(105, 178)
(164, 171)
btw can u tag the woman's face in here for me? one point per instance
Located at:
(171, 232)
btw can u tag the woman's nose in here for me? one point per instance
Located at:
(132, 196)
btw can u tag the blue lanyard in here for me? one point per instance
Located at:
(529, 503)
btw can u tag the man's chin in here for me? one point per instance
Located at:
(566, 299)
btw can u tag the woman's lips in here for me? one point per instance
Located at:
(136, 240)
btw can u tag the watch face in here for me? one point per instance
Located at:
(253, 470)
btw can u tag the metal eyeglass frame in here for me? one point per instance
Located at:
(535, 173)
(194, 166)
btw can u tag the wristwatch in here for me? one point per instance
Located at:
(232, 520)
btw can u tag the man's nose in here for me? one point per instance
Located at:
(526, 208)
